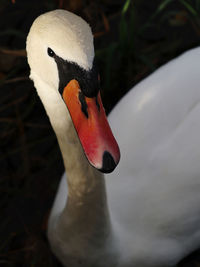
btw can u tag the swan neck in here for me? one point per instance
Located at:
(86, 200)
(82, 223)
(86, 196)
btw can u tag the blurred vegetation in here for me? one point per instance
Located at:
(132, 39)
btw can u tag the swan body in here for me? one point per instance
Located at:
(148, 214)
(154, 195)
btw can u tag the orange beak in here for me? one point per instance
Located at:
(89, 119)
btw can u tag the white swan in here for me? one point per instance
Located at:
(153, 213)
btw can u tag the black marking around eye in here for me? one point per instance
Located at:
(84, 106)
(88, 80)
(97, 104)
(50, 52)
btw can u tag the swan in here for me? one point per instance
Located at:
(146, 213)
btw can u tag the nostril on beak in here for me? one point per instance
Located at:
(108, 163)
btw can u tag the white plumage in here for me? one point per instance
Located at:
(154, 192)
(153, 212)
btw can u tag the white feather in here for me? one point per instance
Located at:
(153, 196)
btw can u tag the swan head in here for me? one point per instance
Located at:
(60, 54)
(67, 35)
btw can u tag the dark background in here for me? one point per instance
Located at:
(132, 39)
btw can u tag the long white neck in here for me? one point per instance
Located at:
(85, 214)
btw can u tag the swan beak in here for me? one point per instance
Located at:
(90, 122)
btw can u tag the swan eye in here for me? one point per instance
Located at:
(50, 52)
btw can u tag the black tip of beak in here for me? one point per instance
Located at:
(108, 163)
